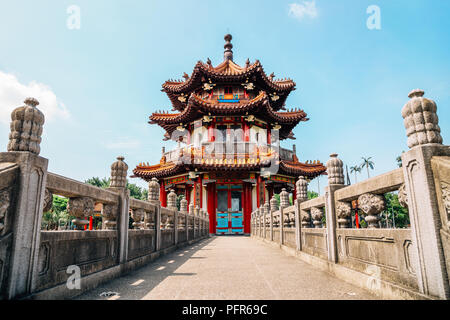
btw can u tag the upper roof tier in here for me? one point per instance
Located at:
(227, 72)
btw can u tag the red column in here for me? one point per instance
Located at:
(187, 194)
(258, 182)
(162, 194)
(269, 135)
(212, 207)
(247, 206)
(90, 223)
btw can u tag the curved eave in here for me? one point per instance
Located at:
(302, 169)
(227, 71)
(259, 106)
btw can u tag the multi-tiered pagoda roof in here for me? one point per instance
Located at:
(260, 99)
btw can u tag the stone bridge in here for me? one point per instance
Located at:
(307, 250)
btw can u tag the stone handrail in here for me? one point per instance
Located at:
(70, 188)
(387, 182)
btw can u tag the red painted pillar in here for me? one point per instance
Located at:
(211, 199)
(258, 182)
(162, 194)
(269, 135)
(90, 223)
(247, 190)
(187, 194)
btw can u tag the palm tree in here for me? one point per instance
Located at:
(369, 164)
(355, 169)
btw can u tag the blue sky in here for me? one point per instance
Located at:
(98, 84)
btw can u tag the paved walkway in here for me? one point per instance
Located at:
(231, 267)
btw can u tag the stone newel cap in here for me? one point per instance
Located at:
(32, 102)
(333, 155)
(416, 93)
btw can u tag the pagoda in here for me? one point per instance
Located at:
(228, 121)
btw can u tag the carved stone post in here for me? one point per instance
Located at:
(284, 221)
(335, 171)
(118, 185)
(153, 198)
(372, 205)
(301, 187)
(21, 203)
(425, 143)
(184, 211)
(343, 212)
(266, 212)
(273, 208)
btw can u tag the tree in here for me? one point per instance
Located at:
(396, 214)
(312, 195)
(101, 183)
(135, 191)
(399, 160)
(52, 218)
(368, 164)
(355, 169)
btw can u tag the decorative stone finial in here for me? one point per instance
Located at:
(317, 215)
(343, 212)
(335, 170)
(109, 216)
(81, 208)
(26, 128)
(302, 189)
(184, 205)
(153, 190)
(284, 198)
(228, 53)
(119, 173)
(372, 205)
(420, 120)
(273, 204)
(172, 200)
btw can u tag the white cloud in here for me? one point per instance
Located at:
(304, 9)
(13, 93)
(123, 143)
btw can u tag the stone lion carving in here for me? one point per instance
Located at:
(109, 214)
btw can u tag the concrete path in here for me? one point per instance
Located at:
(231, 267)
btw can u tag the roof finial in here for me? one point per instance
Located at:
(228, 53)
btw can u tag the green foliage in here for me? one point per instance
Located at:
(135, 191)
(312, 195)
(101, 183)
(368, 164)
(277, 197)
(395, 212)
(57, 214)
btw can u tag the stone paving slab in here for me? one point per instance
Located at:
(228, 267)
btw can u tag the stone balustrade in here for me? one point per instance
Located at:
(34, 263)
(406, 263)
